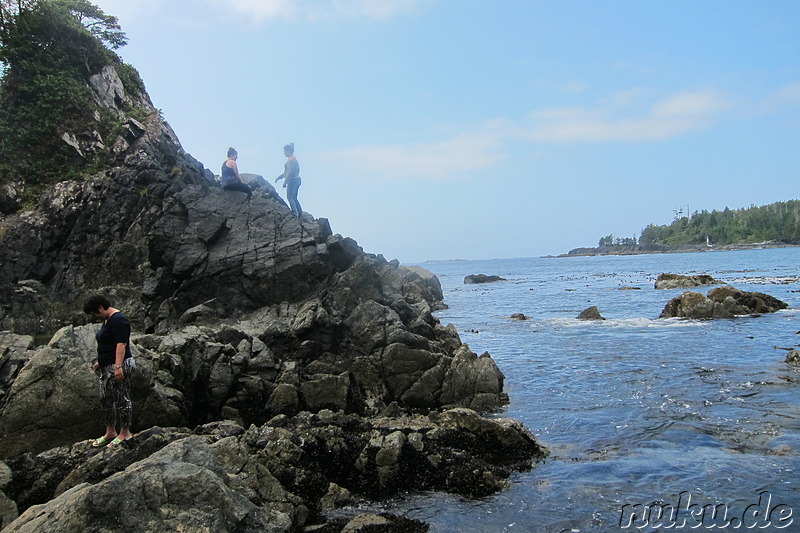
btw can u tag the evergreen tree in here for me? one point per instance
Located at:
(48, 51)
(774, 222)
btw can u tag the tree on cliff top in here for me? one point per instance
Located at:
(48, 51)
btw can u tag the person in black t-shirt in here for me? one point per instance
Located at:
(114, 366)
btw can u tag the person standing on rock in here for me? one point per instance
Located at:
(291, 179)
(114, 366)
(230, 178)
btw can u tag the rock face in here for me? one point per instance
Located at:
(722, 302)
(274, 477)
(276, 361)
(482, 278)
(678, 281)
(244, 317)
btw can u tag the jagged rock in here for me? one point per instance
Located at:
(590, 313)
(678, 281)
(196, 312)
(336, 496)
(183, 486)
(199, 374)
(10, 197)
(8, 509)
(15, 350)
(278, 476)
(722, 302)
(482, 278)
(745, 303)
(793, 357)
(421, 286)
(472, 381)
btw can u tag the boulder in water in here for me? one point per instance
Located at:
(678, 281)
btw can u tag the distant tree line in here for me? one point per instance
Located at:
(779, 221)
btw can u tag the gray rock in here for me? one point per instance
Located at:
(722, 302)
(678, 281)
(336, 496)
(590, 313)
(15, 351)
(326, 392)
(284, 400)
(180, 487)
(482, 278)
(8, 509)
(471, 381)
(225, 478)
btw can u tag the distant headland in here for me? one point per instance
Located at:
(637, 249)
(776, 225)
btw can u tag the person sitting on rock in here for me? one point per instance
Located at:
(230, 179)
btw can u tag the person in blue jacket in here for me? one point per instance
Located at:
(114, 366)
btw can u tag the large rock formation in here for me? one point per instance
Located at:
(722, 302)
(242, 313)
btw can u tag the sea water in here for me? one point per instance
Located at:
(652, 424)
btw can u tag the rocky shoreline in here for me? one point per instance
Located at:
(665, 249)
(281, 371)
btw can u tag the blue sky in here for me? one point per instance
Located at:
(472, 129)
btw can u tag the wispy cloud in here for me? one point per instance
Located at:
(126, 9)
(448, 159)
(669, 117)
(261, 10)
(622, 119)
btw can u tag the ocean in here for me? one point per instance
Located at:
(653, 424)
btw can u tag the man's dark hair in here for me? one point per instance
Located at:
(95, 303)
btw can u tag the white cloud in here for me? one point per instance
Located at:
(669, 117)
(622, 118)
(127, 9)
(261, 10)
(376, 9)
(452, 158)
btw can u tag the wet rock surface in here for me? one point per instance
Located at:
(678, 281)
(721, 302)
(481, 278)
(590, 313)
(275, 477)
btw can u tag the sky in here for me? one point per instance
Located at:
(482, 129)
